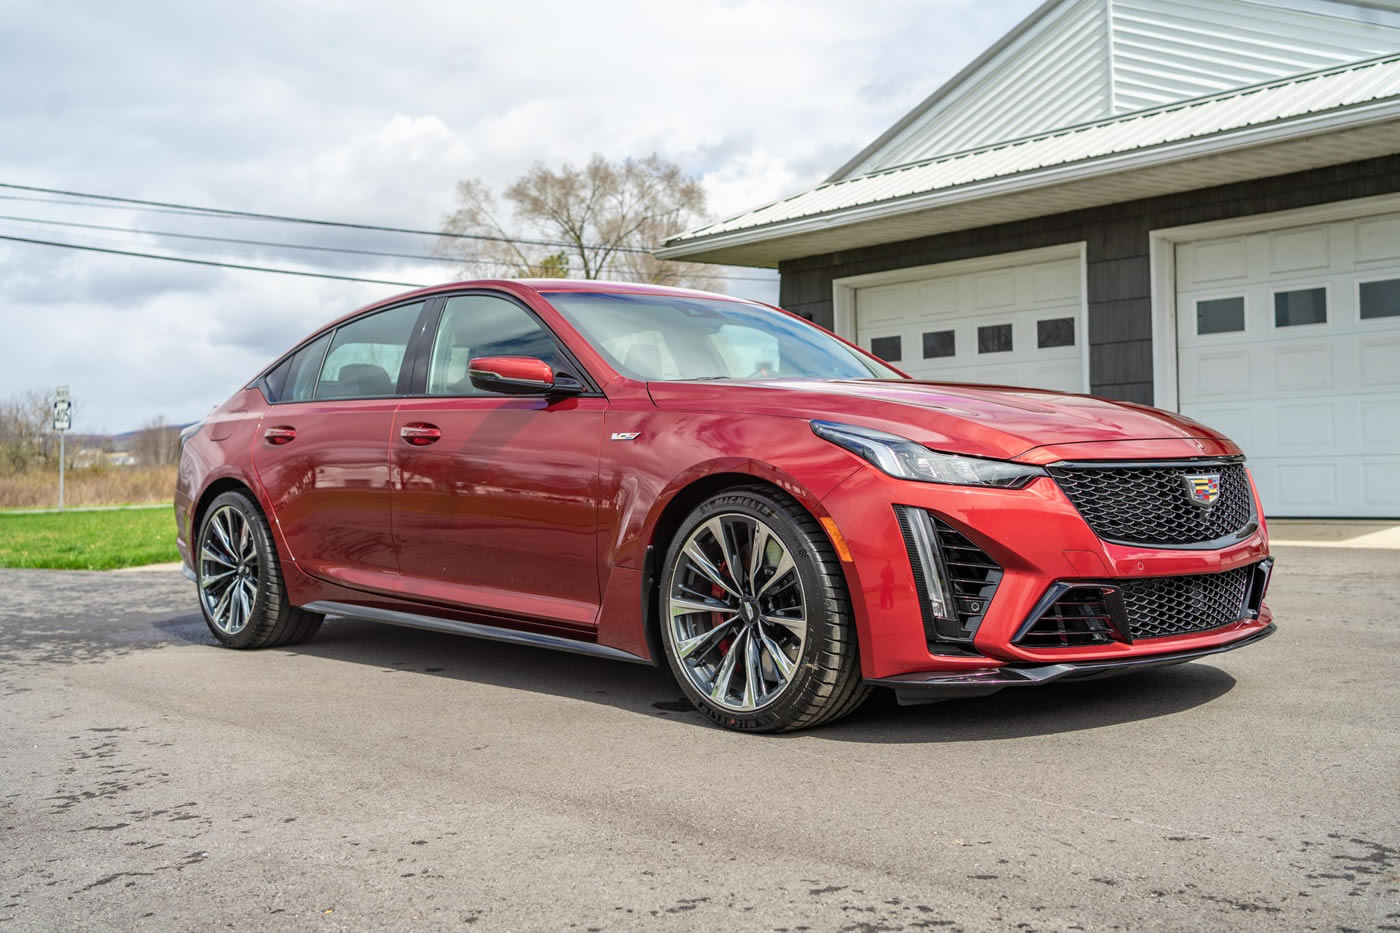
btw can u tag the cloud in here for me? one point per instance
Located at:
(356, 111)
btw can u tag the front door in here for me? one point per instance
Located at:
(495, 500)
(323, 451)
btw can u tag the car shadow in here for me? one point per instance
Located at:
(1018, 712)
(1013, 713)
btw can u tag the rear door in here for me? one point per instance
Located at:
(322, 454)
(498, 511)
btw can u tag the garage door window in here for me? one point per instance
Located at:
(1220, 316)
(1304, 306)
(995, 338)
(1056, 332)
(886, 348)
(939, 343)
(1380, 299)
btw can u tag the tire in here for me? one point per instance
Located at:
(822, 680)
(235, 557)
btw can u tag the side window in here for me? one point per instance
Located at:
(366, 355)
(482, 325)
(294, 379)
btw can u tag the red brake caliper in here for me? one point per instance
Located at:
(717, 592)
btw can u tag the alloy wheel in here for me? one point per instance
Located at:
(737, 612)
(228, 570)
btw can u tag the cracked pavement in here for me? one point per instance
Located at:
(395, 779)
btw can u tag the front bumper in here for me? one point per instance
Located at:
(1038, 539)
(912, 689)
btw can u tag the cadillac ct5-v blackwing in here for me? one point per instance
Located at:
(643, 473)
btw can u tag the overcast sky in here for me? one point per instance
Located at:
(370, 112)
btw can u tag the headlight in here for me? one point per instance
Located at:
(899, 456)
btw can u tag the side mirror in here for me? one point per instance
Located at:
(519, 375)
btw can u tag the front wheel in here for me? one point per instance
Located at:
(755, 617)
(240, 580)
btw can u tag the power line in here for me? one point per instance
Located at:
(208, 262)
(281, 218)
(242, 242)
(282, 245)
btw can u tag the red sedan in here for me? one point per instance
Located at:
(643, 473)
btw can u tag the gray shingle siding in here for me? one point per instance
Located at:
(1118, 273)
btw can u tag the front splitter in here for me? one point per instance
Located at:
(931, 686)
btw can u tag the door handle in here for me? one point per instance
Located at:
(420, 434)
(279, 435)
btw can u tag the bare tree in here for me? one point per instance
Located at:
(26, 433)
(597, 222)
(157, 443)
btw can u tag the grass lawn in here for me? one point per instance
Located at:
(88, 540)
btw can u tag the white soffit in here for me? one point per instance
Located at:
(1323, 118)
(1074, 61)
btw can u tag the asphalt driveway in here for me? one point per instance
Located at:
(380, 778)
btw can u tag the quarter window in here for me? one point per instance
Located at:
(1056, 332)
(994, 338)
(1304, 306)
(475, 326)
(1380, 299)
(887, 348)
(940, 343)
(1220, 316)
(366, 355)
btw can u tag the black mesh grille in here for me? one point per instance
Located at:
(972, 576)
(1142, 608)
(1079, 617)
(1152, 504)
(1158, 606)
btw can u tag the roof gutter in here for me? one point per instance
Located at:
(1354, 117)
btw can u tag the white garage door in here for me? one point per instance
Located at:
(1289, 342)
(1014, 325)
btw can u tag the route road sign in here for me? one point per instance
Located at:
(62, 414)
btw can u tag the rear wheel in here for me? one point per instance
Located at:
(756, 620)
(239, 579)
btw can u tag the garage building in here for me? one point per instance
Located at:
(1193, 204)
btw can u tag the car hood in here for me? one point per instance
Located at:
(987, 421)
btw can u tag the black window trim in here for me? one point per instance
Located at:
(1362, 280)
(1072, 317)
(260, 383)
(1328, 310)
(1244, 297)
(424, 348)
(1011, 330)
(923, 340)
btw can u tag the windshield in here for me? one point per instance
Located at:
(658, 337)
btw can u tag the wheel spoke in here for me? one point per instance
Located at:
(781, 661)
(208, 553)
(700, 562)
(682, 605)
(795, 624)
(754, 691)
(221, 608)
(719, 690)
(759, 546)
(784, 567)
(245, 603)
(245, 541)
(706, 640)
(221, 531)
(208, 580)
(717, 530)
